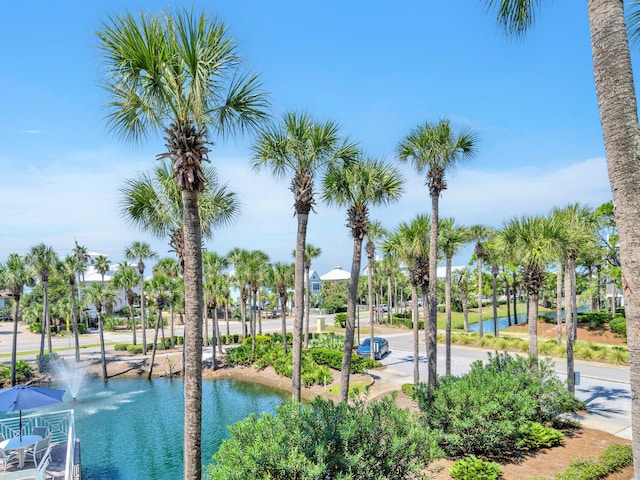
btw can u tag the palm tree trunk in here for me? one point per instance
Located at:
(515, 299)
(216, 326)
(480, 332)
(76, 335)
(173, 324)
(507, 293)
(226, 314)
(205, 320)
(103, 357)
(47, 316)
(133, 321)
(389, 302)
(494, 298)
(308, 307)
(259, 311)
(44, 322)
(372, 352)
(570, 321)
(351, 321)
(214, 359)
(301, 238)
(447, 307)
(143, 322)
(14, 340)
(155, 344)
(193, 337)
(416, 334)
(619, 117)
(559, 299)
(532, 319)
(432, 330)
(283, 306)
(252, 322)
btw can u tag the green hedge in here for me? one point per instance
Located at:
(613, 459)
(333, 359)
(594, 319)
(619, 325)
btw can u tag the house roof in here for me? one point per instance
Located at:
(336, 274)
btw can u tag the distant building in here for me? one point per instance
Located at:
(315, 282)
(335, 275)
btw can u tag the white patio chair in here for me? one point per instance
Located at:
(6, 458)
(40, 431)
(39, 449)
(38, 473)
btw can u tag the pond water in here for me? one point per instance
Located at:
(132, 429)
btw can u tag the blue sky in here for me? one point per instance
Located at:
(377, 68)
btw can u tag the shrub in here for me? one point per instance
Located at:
(333, 359)
(47, 362)
(340, 319)
(472, 468)
(120, 347)
(617, 355)
(614, 458)
(109, 324)
(325, 440)
(134, 349)
(617, 456)
(24, 372)
(534, 436)
(482, 412)
(35, 327)
(328, 340)
(619, 325)
(259, 339)
(594, 319)
(82, 328)
(407, 389)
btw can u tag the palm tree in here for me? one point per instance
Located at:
(102, 264)
(281, 278)
(239, 258)
(100, 295)
(69, 268)
(452, 239)
(357, 186)
(179, 72)
(43, 259)
(170, 268)
(141, 251)
(435, 148)
(576, 232)
(82, 254)
(310, 253)
(161, 289)
(255, 268)
(390, 266)
(300, 148)
(533, 241)
(15, 274)
(212, 266)
(463, 279)
(153, 203)
(408, 243)
(127, 279)
(618, 108)
(479, 233)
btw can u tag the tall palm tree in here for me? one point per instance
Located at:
(212, 266)
(463, 279)
(43, 259)
(170, 268)
(281, 278)
(240, 258)
(100, 295)
(390, 266)
(178, 72)
(141, 251)
(409, 243)
(82, 254)
(452, 239)
(255, 268)
(310, 253)
(153, 202)
(358, 186)
(69, 268)
(15, 274)
(618, 108)
(533, 240)
(301, 148)
(435, 148)
(479, 233)
(127, 279)
(102, 264)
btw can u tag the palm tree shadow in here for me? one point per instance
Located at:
(598, 392)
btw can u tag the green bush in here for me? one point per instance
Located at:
(402, 320)
(340, 319)
(120, 347)
(594, 319)
(82, 328)
(327, 340)
(333, 359)
(619, 325)
(325, 440)
(24, 372)
(47, 362)
(483, 411)
(109, 324)
(259, 339)
(134, 349)
(617, 456)
(614, 458)
(407, 389)
(473, 468)
(35, 327)
(534, 436)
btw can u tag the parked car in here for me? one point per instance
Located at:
(380, 347)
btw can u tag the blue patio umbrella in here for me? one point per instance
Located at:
(24, 397)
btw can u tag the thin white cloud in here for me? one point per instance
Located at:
(30, 132)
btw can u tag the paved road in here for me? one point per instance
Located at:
(604, 388)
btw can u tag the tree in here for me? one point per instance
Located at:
(301, 148)
(619, 118)
(127, 279)
(153, 203)
(479, 233)
(15, 274)
(69, 268)
(374, 232)
(408, 243)
(452, 239)
(100, 295)
(180, 72)
(357, 186)
(82, 254)
(533, 241)
(102, 264)
(255, 268)
(161, 289)
(435, 148)
(141, 251)
(170, 268)
(43, 259)
(310, 253)
(212, 266)
(281, 277)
